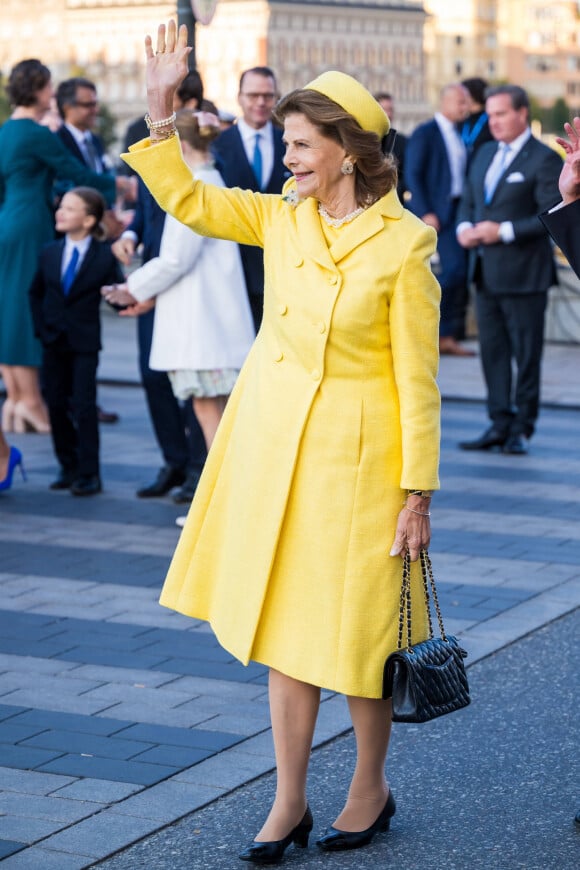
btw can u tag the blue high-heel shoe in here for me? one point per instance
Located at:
(14, 460)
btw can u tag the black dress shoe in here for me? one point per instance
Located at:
(107, 416)
(272, 852)
(517, 445)
(338, 841)
(185, 493)
(87, 484)
(492, 437)
(167, 479)
(64, 480)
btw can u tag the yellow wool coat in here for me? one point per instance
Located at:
(334, 415)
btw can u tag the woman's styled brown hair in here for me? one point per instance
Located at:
(375, 173)
(200, 138)
(26, 79)
(95, 206)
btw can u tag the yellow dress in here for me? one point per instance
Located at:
(334, 415)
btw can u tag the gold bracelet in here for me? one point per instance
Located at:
(162, 135)
(155, 125)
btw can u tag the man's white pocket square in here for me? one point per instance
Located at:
(514, 177)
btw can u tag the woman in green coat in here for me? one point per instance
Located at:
(292, 547)
(31, 158)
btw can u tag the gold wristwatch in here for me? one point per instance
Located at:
(422, 493)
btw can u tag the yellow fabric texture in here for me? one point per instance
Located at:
(354, 99)
(335, 413)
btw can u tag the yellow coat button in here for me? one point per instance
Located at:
(322, 327)
(299, 263)
(315, 375)
(279, 356)
(282, 309)
(333, 279)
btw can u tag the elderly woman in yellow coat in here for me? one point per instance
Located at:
(321, 474)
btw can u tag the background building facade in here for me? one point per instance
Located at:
(380, 43)
(410, 47)
(534, 43)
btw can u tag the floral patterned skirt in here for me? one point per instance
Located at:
(203, 383)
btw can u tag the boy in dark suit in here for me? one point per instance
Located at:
(65, 297)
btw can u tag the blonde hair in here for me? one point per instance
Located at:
(200, 138)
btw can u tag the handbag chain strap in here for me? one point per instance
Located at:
(405, 600)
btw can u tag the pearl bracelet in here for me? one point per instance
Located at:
(156, 125)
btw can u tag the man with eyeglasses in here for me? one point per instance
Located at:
(78, 106)
(249, 155)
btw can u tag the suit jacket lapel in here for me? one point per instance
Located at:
(241, 159)
(72, 144)
(56, 253)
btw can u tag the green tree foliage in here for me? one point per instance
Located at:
(4, 104)
(560, 114)
(106, 125)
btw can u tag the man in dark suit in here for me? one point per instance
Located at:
(435, 162)
(510, 181)
(177, 430)
(249, 155)
(78, 106)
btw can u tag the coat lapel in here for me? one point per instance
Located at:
(312, 239)
(366, 225)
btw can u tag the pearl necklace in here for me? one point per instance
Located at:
(338, 222)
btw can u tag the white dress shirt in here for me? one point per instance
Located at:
(506, 228)
(248, 135)
(82, 245)
(456, 153)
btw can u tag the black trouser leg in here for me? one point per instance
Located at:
(524, 318)
(84, 411)
(57, 380)
(164, 410)
(496, 358)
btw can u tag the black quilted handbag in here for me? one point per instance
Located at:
(428, 679)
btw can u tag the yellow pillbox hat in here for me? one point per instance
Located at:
(354, 99)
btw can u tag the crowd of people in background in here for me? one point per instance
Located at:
(453, 174)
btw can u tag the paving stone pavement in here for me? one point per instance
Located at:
(118, 717)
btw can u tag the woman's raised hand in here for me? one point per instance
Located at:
(166, 67)
(569, 183)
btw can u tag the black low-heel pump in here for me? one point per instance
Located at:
(273, 852)
(338, 841)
